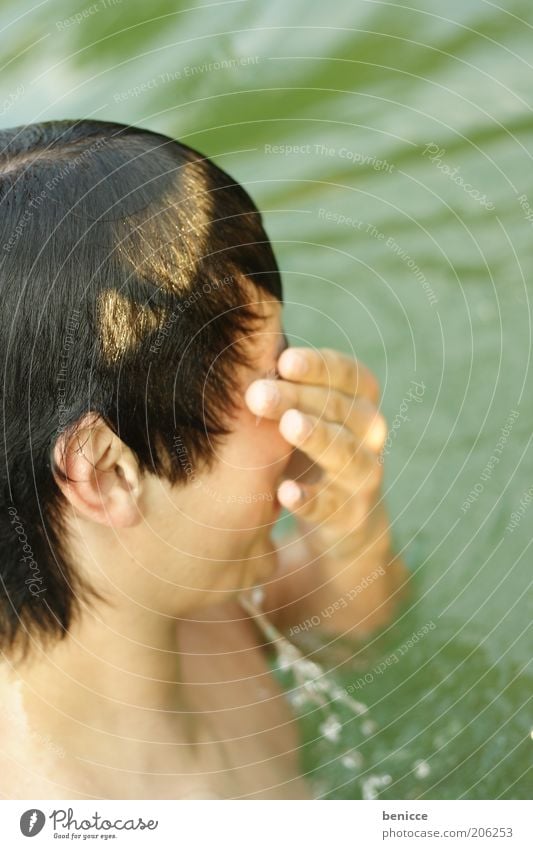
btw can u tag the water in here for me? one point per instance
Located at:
(310, 687)
(416, 258)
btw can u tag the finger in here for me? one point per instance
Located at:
(329, 504)
(315, 504)
(332, 447)
(271, 398)
(327, 367)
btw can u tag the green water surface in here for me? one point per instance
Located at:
(404, 233)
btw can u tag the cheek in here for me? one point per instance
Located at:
(259, 449)
(248, 471)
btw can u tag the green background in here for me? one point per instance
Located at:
(363, 88)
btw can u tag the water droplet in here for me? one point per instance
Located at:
(331, 729)
(352, 760)
(421, 769)
(297, 698)
(258, 596)
(373, 784)
(368, 727)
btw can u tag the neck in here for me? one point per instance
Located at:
(110, 693)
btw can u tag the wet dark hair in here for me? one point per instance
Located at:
(128, 264)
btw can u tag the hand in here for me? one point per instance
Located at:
(327, 407)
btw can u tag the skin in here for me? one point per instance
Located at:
(162, 688)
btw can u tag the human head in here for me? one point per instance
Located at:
(134, 272)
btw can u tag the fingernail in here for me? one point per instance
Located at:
(295, 363)
(262, 395)
(378, 432)
(295, 425)
(289, 493)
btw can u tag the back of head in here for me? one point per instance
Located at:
(126, 260)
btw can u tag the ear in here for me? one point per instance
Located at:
(98, 474)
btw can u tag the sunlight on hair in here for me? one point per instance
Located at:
(123, 324)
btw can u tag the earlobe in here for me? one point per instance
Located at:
(98, 474)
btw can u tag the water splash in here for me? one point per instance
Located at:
(315, 687)
(313, 684)
(373, 784)
(331, 729)
(352, 760)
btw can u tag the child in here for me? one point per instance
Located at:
(154, 424)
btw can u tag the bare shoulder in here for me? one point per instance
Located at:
(32, 765)
(27, 765)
